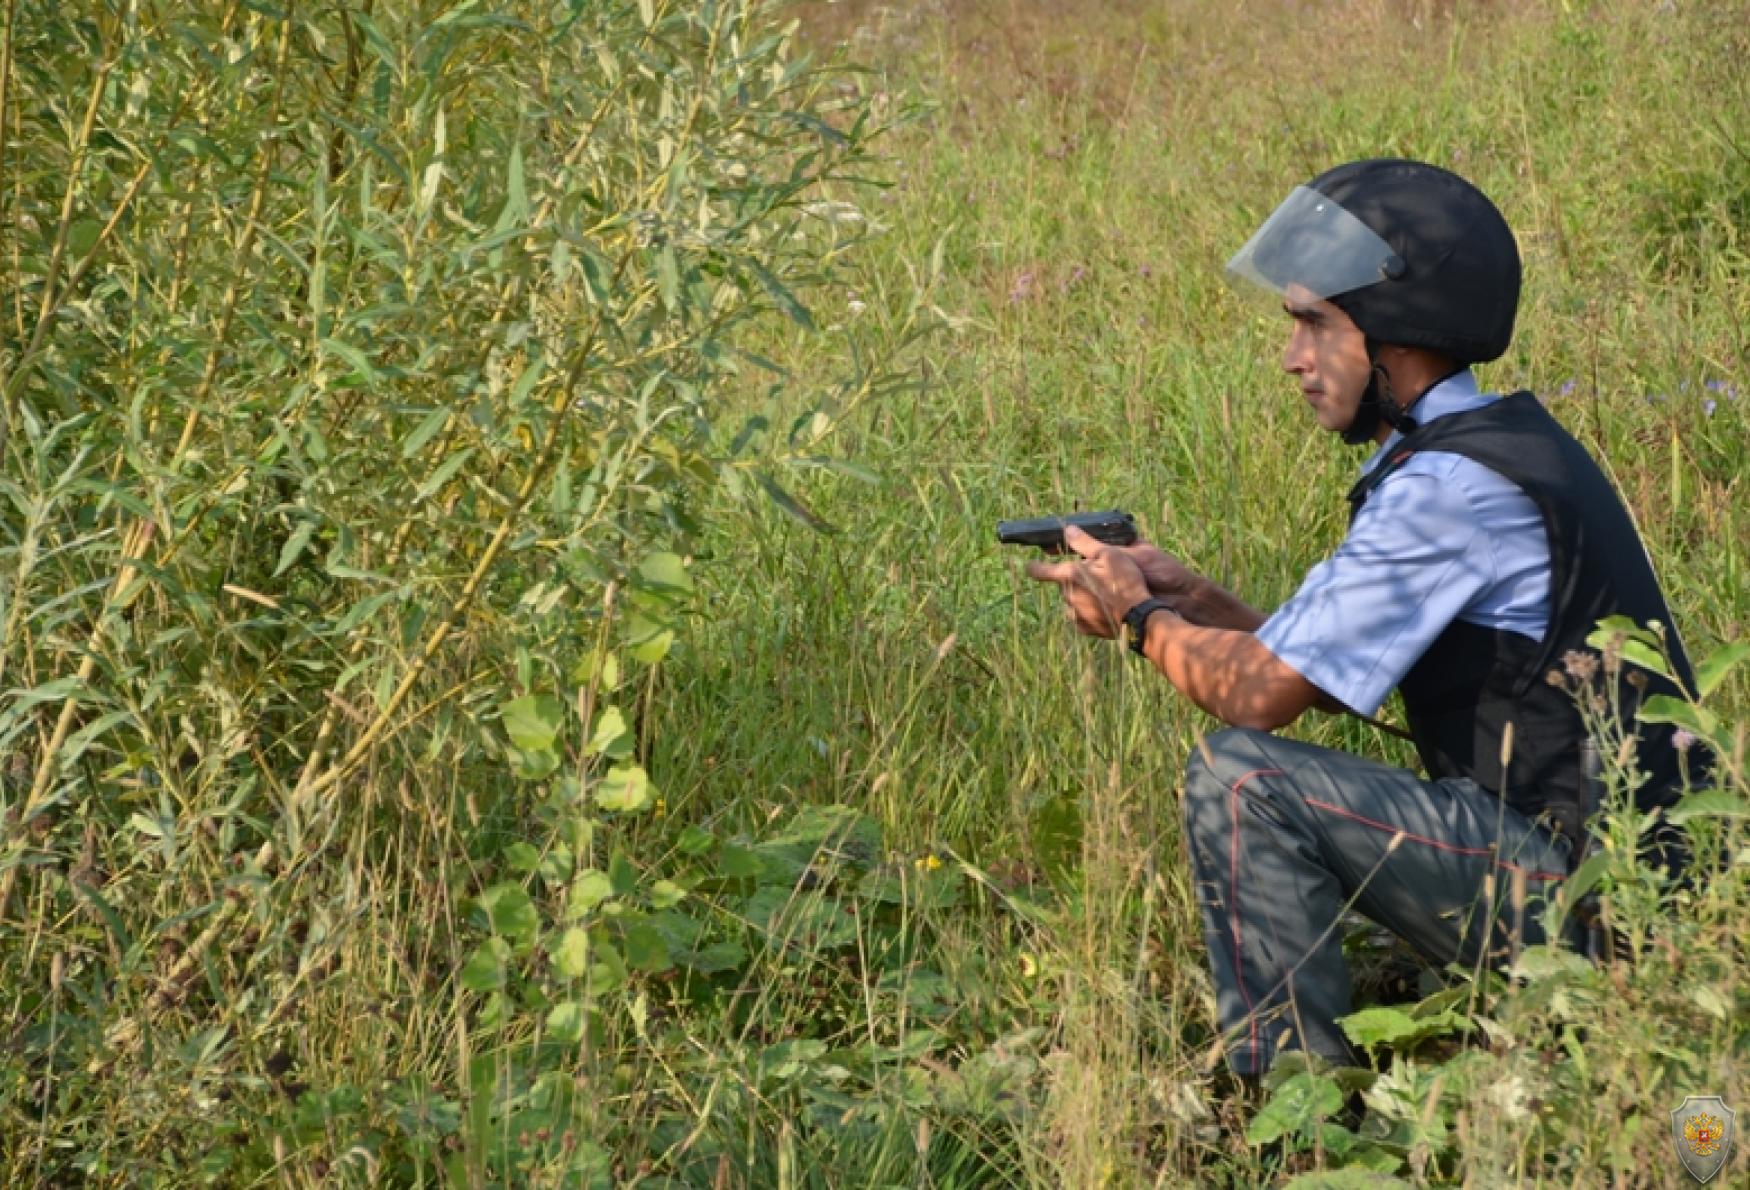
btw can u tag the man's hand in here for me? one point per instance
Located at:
(1102, 586)
(1166, 576)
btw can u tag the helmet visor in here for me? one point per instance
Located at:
(1312, 243)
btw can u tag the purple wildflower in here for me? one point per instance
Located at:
(1682, 740)
(1567, 389)
(1708, 406)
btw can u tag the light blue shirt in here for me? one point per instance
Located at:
(1442, 539)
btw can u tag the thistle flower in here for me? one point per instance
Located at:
(1581, 665)
(1682, 739)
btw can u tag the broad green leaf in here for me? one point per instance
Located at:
(665, 572)
(625, 789)
(1296, 1106)
(566, 1021)
(1372, 1173)
(1645, 656)
(485, 969)
(522, 857)
(589, 890)
(1711, 672)
(533, 721)
(694, 840)
(510, 912)
(739, 863)
(1392, 1026)
(571, 956)
(648, 641)
(612, 737)
(622, 875)
(726, 955)
(645, 948)
(1662, 708)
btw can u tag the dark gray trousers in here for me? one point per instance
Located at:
(1284, 836)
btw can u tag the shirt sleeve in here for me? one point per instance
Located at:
(1413, 560)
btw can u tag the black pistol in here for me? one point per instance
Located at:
(1114, 527)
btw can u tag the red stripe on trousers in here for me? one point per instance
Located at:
(1436, 843)
(1233, 895)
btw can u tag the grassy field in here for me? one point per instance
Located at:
(905, 904)
(1066, 206)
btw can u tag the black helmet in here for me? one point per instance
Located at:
(1413, 253)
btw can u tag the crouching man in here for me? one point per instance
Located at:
(1484, 545)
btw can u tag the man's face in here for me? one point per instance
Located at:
(1327, 354)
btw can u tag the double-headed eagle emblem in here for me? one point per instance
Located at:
(1702, 1131)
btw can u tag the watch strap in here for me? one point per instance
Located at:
(1136, 619)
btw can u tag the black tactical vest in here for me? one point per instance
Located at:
(1473, 681)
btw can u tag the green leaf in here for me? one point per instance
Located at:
(1295, 1107)
(786, 300)
(612, 737)
(1372, 1174)
(792, 505)
(739, 863)
(485, 969)
(625, 789)
(645, 948)
(648, 641)
(665, 572)
(668, 279)
(1584, 879)
(533, 721)
(510, 912)
(1709, 803)
(714, 957)
(446, 471)
(1379, 1026)
(1710, 673)
(665, 894)
(1662, 708)
(622, 875)
(566, 1021)
(424, 432)
(361, 365)
(293, 549)
(590, 889)
(571, 956)
(522, 857)
(694, 840)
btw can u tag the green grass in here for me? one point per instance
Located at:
(1085, 171)
(986, 969)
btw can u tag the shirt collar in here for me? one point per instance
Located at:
(1458, 393)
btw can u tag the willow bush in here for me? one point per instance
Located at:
(362, 371)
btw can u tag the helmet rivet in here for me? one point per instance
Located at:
(1393, 267)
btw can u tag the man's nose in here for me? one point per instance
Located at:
(1294, 353)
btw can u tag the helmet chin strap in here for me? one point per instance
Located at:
(1378, 404)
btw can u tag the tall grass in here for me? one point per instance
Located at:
(1086, 170)
(895, 895)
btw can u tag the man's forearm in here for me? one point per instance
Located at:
(1227, 672)
(1211, 606)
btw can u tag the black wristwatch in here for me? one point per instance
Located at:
(1136, 619)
